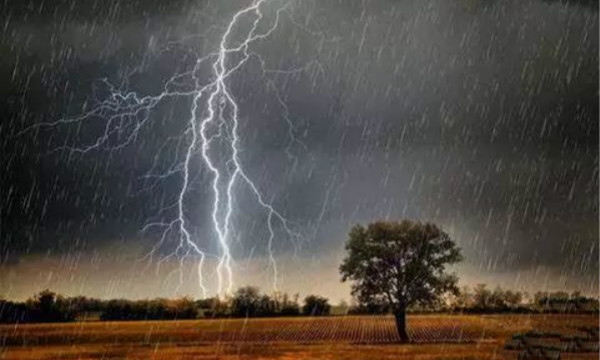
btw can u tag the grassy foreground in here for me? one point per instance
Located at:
(352, 337)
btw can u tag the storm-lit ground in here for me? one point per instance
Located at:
(434, 337)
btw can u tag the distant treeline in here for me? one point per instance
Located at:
(48, 306)
(480, 299)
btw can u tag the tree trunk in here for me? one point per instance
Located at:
(401, 325)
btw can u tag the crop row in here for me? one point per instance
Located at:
(379, 329)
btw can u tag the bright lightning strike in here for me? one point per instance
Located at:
(213, 118)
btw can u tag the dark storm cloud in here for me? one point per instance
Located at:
(480, 115)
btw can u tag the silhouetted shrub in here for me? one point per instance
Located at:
(316, 306)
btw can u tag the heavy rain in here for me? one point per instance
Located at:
(186, 149)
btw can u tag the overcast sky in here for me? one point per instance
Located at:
(481, 116)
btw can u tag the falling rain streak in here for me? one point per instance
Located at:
(158, 148)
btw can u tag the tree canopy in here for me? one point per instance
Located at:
(401, 264)
(316, 306)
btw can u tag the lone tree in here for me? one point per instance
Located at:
(399, 264)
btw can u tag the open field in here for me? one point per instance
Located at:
(352, 337)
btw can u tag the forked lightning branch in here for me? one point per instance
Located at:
(214, 119)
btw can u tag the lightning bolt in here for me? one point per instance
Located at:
(213, 119)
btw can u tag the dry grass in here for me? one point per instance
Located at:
(354, 337)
